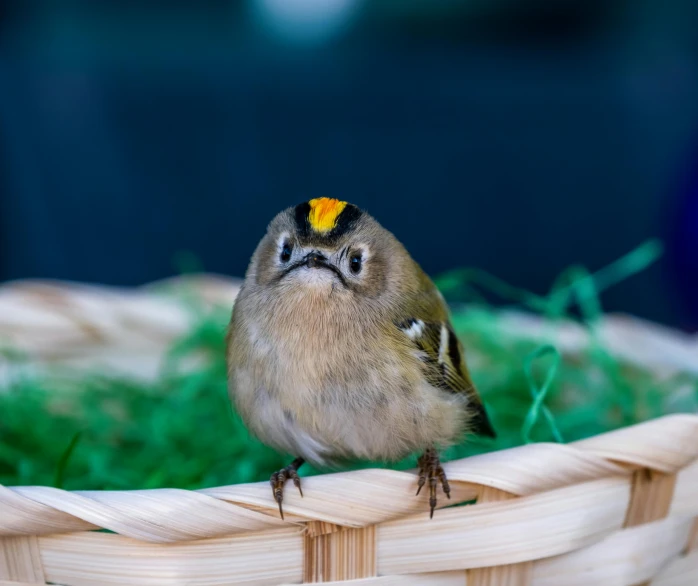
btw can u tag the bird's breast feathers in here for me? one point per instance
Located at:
(348, 395)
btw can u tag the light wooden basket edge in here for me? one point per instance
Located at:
(542, 510)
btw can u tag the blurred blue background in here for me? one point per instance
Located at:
(518, 136)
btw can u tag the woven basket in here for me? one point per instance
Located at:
(616, 509)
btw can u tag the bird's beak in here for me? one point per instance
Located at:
(316, 260)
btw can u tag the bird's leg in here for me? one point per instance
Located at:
(430, 469)
(278, 479)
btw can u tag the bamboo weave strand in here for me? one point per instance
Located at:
(505, 574)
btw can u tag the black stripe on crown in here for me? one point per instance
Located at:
(345, 221)
(302, 211)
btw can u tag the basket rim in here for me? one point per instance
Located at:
(357, 498)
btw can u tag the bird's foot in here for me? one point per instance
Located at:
(430, 469)
(278, 479)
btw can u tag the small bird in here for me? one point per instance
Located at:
(340, 348)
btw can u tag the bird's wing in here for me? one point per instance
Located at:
(443, 357)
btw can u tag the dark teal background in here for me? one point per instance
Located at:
(517, 138)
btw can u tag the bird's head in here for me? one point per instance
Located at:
(327, 245)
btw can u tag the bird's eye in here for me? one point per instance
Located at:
(286, 251)
(355, 263)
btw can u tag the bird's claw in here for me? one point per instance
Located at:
(429, 467)
(278, 480)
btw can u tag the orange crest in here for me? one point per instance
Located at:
(324, 212)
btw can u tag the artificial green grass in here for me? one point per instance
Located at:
(99, 432)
